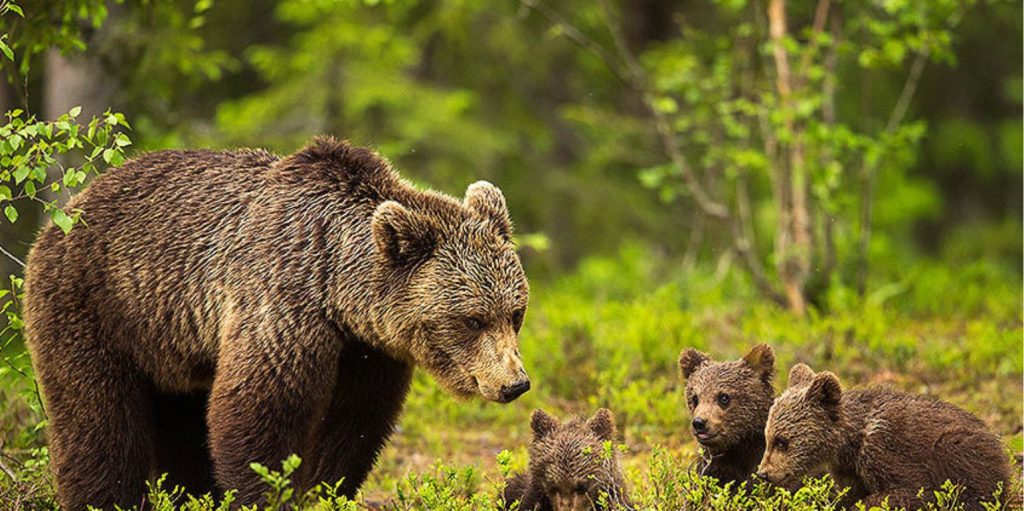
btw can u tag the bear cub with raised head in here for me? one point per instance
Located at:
(729, 404)
(880, 442)
(570, 467)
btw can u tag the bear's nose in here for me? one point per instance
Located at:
(510, 392)
(762, 475)
(700, 425)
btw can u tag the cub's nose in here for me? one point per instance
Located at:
(510, 392)
(700, 425)
(762, 476)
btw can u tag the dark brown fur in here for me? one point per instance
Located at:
(733, 441)
(222, 308)
(569, 467)
(879, 442)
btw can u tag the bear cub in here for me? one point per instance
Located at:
(570, 467)
(729, 403)
(880, 442)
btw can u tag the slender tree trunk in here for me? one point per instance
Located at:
(77, 80)
(793, 239)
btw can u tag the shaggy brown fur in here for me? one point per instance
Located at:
(729, 404)
(569, 466)
(222, 308)
(879, 442)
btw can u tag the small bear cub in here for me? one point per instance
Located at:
(729, 403)
(570, 467)
(880, 442)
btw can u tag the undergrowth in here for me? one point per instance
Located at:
(609, 335)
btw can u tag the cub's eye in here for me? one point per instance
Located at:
(474, 324)
(781, 443)
(724, 399)
(517, 319)
(694, 401)
(580, 489)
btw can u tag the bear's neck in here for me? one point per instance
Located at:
(357, 297)
(738, 461)
(849, 431)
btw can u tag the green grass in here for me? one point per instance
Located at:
(609, 335)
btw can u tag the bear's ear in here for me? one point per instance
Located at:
(800, 374)
(542, 424)
(826, 391)
(401, 235)
(487, 201)
(690, 360)
(603, 424)
(762, 360)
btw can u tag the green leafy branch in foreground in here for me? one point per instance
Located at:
(29, 147)
(35, 170)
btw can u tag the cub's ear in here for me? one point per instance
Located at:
(542, 424)
(603, 424)
(762, 360)
(487, 201)
(800, 374)
(401, 235)
(826, 391)
(690, 360)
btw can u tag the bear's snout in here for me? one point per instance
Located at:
(510, 392)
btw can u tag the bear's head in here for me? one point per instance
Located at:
(573, 462)
(728, 401)
(803, 431)
(456, 291)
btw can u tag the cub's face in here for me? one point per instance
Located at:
(728, 401)
(464, 293)
(569, 461)
(802, 432)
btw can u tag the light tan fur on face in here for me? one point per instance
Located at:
(465, 293)
(802, 428)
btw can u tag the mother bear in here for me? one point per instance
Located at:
(222, 308)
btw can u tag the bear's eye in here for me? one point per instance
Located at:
(694, 401)
(517, 319)
(724, 399)
(781, 443)
(580, 489)
(474, 324)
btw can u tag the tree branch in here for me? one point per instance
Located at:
(869, 172)
(583, 41)
(631, 73)
(11, 256)
(907, 94)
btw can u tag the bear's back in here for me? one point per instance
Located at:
(929, 437)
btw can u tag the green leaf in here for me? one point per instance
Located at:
(21, 173)
(6, 50)
(5, 192)
(62, 220)
(75, 111)
(11, 213)
(122, 140)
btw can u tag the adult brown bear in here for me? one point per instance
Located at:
(221, 308)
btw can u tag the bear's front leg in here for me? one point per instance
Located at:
(271, 383)
(369, 390)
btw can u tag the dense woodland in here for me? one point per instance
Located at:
(838, 178)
